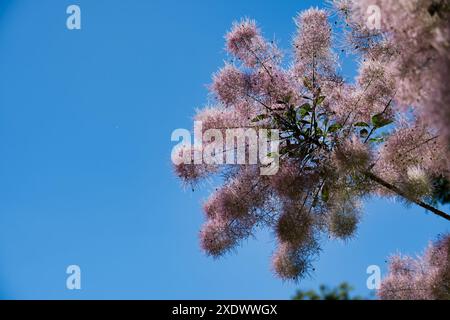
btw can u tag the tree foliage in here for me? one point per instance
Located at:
(341, 292)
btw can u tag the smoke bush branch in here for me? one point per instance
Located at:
(399, 192)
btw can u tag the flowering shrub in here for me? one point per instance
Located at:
(425, 278)
(387, 133)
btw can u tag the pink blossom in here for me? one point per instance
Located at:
(291, 183)
(411, 144)
(425, 278)
(187, 168)
(295, 225)
(414, 47)
(216, 237)
(292, 263)
(352, 155)
(230, 84)
(385, 133)
(312, 44)
(237, 198)
(246, 43)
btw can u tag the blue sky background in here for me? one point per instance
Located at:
(85, 173)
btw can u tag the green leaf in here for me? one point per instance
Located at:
(335, 127)
(260, 117)
(291, 115)
(304, 109)
(379, 120)
(319, 131)
(320, 99)
(361, 124)
(377, 140)
(306, 106)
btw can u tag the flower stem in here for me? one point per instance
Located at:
(393, 188)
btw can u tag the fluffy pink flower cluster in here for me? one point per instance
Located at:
(193, 170)
(409, 146)
(312, 44)
(339, 141)
(352, 155)
(233, 211)
(245, 42)
(425, 278)
(413, 45)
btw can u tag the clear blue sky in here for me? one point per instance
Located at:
(85, 174)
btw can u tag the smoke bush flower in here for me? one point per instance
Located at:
(219, 118)
(417, 183)
(414, 45)
(295, 225)
(343, 215)
(237, 198)
(352, 155)
(188, 167)
(386, 133)
(412, 145)
(243, 40)
(425, 278)
(377, 89)
(230, 84)
(290, 262)
(312, 44)
(291, 183)
(216, 237)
